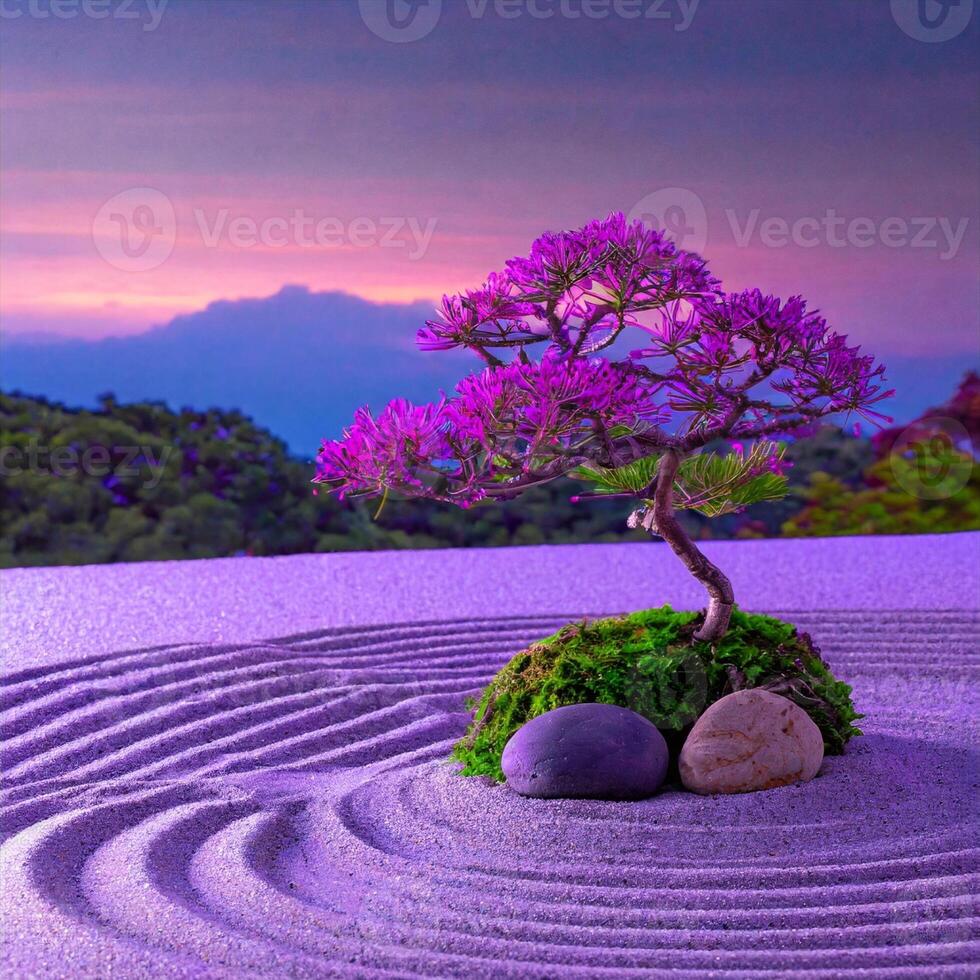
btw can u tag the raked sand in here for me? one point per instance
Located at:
(186, 798)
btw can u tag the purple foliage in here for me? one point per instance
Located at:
(713, 365)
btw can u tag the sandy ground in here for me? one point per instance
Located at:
(52, 614)
(184, 796)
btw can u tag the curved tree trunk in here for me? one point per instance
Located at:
(664, 522)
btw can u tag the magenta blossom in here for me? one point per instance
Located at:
(521, 418)
(385, 452)
(552, 401)
(576, 291)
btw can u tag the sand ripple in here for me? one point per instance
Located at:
(285, 808)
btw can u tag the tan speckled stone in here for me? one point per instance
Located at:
(750, 740)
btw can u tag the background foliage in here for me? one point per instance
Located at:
(229, 487)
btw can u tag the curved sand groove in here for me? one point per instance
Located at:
(285, 808)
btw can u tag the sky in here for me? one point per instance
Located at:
(160, 156)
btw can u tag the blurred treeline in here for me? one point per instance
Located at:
(140, 482)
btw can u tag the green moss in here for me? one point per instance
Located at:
(648, 661)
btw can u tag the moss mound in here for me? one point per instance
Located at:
(649, 661)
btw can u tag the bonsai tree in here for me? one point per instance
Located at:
(561, 393)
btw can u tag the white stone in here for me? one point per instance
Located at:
(750, 740)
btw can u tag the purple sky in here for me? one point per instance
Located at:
(832, 147)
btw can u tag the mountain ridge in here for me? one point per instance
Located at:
(300, 362)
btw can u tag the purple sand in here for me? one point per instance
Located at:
(181, 798)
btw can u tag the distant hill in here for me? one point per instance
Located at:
(300, 362)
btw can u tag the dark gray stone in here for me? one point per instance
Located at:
(586, 751)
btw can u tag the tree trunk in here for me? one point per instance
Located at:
(663, 521)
